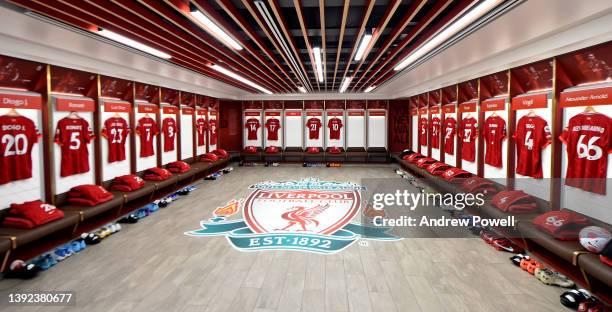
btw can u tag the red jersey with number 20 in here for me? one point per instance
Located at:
(588, 142)
(532, 135)
(314, 125)
(272, 125)
(18, 135)
(468, 131)
(494, 133)
(116, 131)
(334, 125)
(73, 135)
(252, 125)
(147, 129)
(169, 130)
(450, 127)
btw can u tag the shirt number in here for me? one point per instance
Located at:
(590, 151)
(15, 145)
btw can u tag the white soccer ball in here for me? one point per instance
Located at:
(594, 238)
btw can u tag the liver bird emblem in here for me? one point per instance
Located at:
(302, 217)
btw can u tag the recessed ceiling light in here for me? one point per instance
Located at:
(231, 74)
(345, 84)
(213, 29)
(302, 89)
(132, 43)
(369, 89)
(318, 63)
(365, 40)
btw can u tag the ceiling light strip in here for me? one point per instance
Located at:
(213, 29)
(318, 63)
(345, 84)
(363, 45)
(231, 74)
(369, 89)
(134, 44)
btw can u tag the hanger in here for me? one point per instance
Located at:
(493, 114)
(146, 115)
(13, 113)
(117, 115)
(589, 109)
(531, 113)
(73, 115)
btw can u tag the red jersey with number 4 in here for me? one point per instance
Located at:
(314, 125)
(115, 131)
(201, 130)
(73, 135)
(212, 129)
(468, 131)
(169, 130)
(147, 129)
(334, 125)
(449, 129)
(18, 135)
(252, 125)
(423, 131)
(588, 142)
(532, 135)
(273, 125)
(435, 132)
(494, 133)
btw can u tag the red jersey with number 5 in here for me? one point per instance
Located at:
(73, 135)
(588, 142)
(169, 130)
(334, 125)
(212, 129)
(468, 131)
(18, 135)
(494, 133)
(450, 127)
(423, 131)
(314, 125)
(252, 125)
(532, 135)
(147, 129)
(201, 130)
(435, 132)
(116, 130)
(273, 125)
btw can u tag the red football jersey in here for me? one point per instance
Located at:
(212, 129)
(494, 133)
(314, 125)
(435, 132)
(588, 142)
(201, 130)
(334, 125)
(169, 129)
(532, 135)
(468, 131)
(423, 131)
(252, 125)
(115, 131)
(147, 129)
(18, 135)
(273, 125)
(450, 128)
(73, 135)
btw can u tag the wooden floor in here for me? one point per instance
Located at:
(153, 266)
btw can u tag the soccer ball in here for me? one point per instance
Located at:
(594, 238)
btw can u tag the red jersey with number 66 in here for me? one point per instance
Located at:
(588, 142)
(116, 131)
(147, 129)
(73, 135)
(18, 135)
(532, 135)
(273, 125)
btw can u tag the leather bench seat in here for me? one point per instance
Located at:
(25, 236)
(567, 250)
(591, 264)
(378, 154)
(275, 156)
(356, 154)
(87, 212)
(293, 154)
(335, 157)
(147, 189)
(316, 157)
(247, 156)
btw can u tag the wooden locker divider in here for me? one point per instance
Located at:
(47, 138)
(556, 146)
(133, 131)
(97, 127)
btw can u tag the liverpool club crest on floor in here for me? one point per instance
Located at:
(307, 215)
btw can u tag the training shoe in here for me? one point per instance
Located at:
(60, 253)
(75, 247)
(550, 277)
(516, 259)
(573, 298)
(504, 244)
(131, 219)
(21, 270)
(91, 238)
(46, 261)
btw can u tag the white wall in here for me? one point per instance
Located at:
(415, 132)
(377, 129)
(187, 133)
(294, 128)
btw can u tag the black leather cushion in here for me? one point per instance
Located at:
(23, 236)
(89, 212)
(591, 264)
